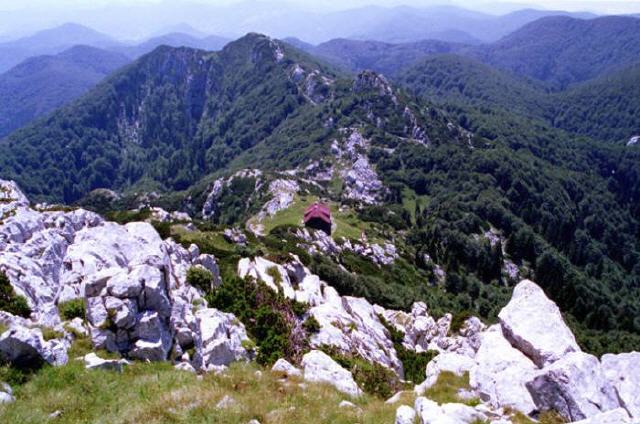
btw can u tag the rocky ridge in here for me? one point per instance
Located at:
(138, 303)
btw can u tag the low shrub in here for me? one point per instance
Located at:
(373, 378)
(311, 325)
(458, 320)
(10, 301)
(72, 309)
(200, 278)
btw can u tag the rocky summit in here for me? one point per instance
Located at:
(139, 304)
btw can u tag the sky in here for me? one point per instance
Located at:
(598, 6)
(135, 20)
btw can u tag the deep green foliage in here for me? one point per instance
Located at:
(10, 301)
(41, 84)
(269, 317)
(200, 278)
(373, 378)
(311, 325)
(72, 309)
(414, 364)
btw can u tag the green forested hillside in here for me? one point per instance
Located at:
(169, 119)
(604, 108)
(565, 207)
(563, 50)
(41, 84)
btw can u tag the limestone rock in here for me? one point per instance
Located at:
(623, 371)
(93, 361)
(500, 373)
(615, 416)
(220, 338)
(320, 368)
(451, 362)
(533, 324)
(574, 386)
(405, 415)
(6, 394)
(285, 367)
(429, 412)
(23, 345)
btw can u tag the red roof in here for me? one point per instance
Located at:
(318, 210)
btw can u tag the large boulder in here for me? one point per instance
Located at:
(429, 412)
(533, 324)
(574, 386)
(615, 416)
(26, 346)
(451, 362)
(220, 339)
(623, 371)
(405, 415)
(501, 372)
(320, 368)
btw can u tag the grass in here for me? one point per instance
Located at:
(410, 199)
(156, 393)
(446, 389)
(346, 223)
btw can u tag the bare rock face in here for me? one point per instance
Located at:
(220, 339)
(429, 412)
(623, 371)
(320, 368)
(27, 346)
(133, 282)
(405, 415)
(533, 324)
(500, 373)
(615, 416)
(574, 386)
(451, 362)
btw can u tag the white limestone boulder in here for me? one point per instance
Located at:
(574, 386)
(451, 362)
(23, 345)
(429, 412)
(500, 373)
(405, 415)
(533, 324)
(623, 371)
(93, 361)
(320, 368)
(6, 394)
(615, 416)
(285, 367)
(220, 339)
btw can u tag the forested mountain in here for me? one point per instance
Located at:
(447, 177)
(43, 83)
(605, 108)
(387, 58)
(174, 39)
(563, 50)
(49, 42)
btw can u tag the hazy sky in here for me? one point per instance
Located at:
(599, 6)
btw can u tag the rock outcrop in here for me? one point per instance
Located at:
(320, 368)
(575, 386)
(220, 340)
(623, 371)
(533, 324)
(134, 283)
(26, 346)
(501, 372)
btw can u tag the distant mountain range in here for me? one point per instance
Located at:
(50, 41)
(43, 83)
(563, 50)
(281, 19)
